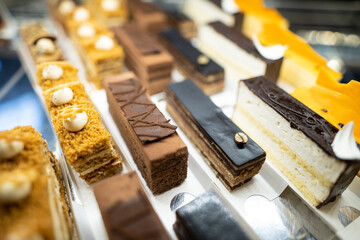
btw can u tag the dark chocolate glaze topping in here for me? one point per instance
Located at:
(143, 42)
(239, 39)
(217, 127)
(183, 46)
(207, 218)
(299, 116)
(147, 121)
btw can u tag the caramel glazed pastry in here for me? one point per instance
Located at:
(43, 47)
(126, 209)
(32, 198)
(86, 144)
(233, 156)
(158, 151)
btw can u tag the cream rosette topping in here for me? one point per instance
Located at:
(110, 5)
(74, 118)
(16, 185)
(104, 43)
(62, 96)
(344, 144)
(9, 149)
(66, 7)
(81, 14)
(274, 52)
(45, 46)
(86, 30)
(52, 72)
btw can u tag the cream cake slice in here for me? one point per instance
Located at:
(296, 139)
(32, 198)
(232, 49)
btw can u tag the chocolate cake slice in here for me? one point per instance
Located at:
(297, 140)
(126, 210)
(234, 161)
(230, 47)
(146, 57)
(192, 63)
(158, 151)
(207, 218)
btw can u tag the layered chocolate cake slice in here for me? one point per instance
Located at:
(146, 57)
(230, 48)
(158, 151)
(233, 156)
(32, 197)
(297, 140)
(126, 209)
(192, 63)
(207, 218)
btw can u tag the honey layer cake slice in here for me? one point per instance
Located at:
(85, 142)
(231, 48)
(297, 140)
(126, 209)
(192, 63)
(158, 151)
(32, 197)
(207, 218)
(145, 56)
(234, 161)
(43, 47)
(110, 12)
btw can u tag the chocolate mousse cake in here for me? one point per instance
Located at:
(230, 48)
(158, 151)
(233, 156)
(126, 209)
(32, 198)
(192, 63)
(43, 47)
(146, 57)
(297, 140)
(207, 218)
(185, 25)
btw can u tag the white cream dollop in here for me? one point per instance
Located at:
(104, 43)
(52, 72)
(344, 144)
(86, 30)
(62, 96)
(16, 186)
(65, 7)
(81, 14)
(45, 45)
(229, 6)
(274, 52)
(76, 124)
(110, 5)
(10, 149)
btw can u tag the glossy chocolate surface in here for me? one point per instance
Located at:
(184, 47)
(215, 125)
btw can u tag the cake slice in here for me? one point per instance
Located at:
(207, 218)
(86, 144)
(180, 21)
(110, 12)
(43, 47)
(231, 48)
(32, 197)
(158, 151)
(296, 139)
(126, 209)
(233, 156)
(192, 63)
(146, 57)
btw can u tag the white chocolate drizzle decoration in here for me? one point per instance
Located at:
(274, 52)
(45, 46)
(52, 72)
(104, 43)
(9, 149)
(86, 30)
(62, 96)
(344, 144)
